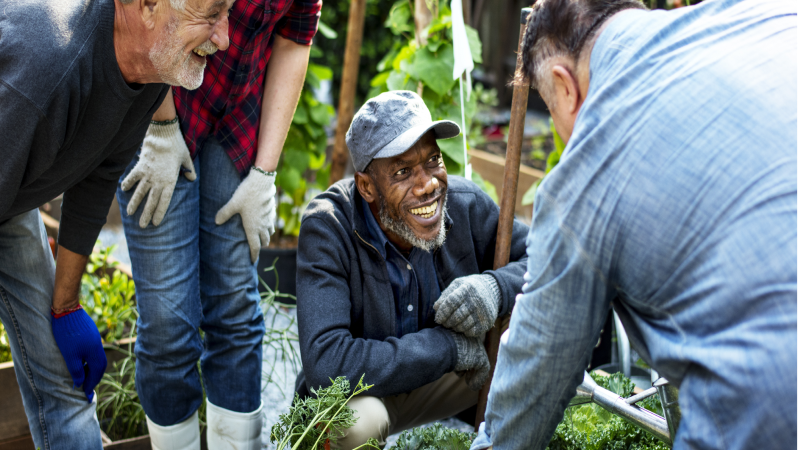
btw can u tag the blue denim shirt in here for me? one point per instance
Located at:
(413, 279)
(675, 199)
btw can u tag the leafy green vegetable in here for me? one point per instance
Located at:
(435, 437)
(590, 427)
(311, 422)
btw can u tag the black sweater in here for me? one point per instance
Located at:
(68, 120)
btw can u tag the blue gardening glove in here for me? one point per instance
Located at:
(82, 349)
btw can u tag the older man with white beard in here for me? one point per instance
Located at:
(195, 264)
(79, 83)
(394, 275)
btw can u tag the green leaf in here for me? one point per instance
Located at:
(384, 63)
(530, 194)
(400, 19)
(435, 69)
(288, 179)
(323, 178)
(475, 46)
(321, 114)
(316, 161)
(321, 72)
(454, 149)
(300, 114)
(400, 81)
(380, 79)
(296, 160)
(404, 54)
(316, 52)
(327, 31)
(485, 186)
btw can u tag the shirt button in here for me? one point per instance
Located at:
(410, 308)
(408, 266)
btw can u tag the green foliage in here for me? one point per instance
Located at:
(590, 427)
(552, 161)
(107, 298)
(121, 415)
(312, 421)
(281, 332)
(378, 40)
(407, 67)
(303, 155)
(5, 347)
(435, 437)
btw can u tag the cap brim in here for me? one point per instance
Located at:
(444, 129)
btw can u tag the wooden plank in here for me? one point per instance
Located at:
(491, 167)
(13, 422)
(18, 443)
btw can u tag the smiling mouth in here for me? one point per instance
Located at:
(200, 52)
(426, 212)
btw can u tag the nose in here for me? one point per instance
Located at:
(220, 36)
(426, 185)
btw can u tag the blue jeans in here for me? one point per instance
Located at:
(192, 274)
(58, 415)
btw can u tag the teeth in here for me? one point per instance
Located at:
(426, 212)
(200, 52)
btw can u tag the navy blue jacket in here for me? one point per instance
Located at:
(345, 306)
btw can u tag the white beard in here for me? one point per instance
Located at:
(172, 66)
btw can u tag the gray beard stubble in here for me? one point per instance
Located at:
(401, 229)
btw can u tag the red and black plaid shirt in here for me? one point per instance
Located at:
(228, 103)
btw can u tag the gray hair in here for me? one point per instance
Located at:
(561, 29)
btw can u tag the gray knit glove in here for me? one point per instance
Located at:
(163, 153)
(469, 305)
(472, 360)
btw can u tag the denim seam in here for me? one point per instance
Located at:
(26, 367)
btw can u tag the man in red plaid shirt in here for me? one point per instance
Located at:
(195, 265)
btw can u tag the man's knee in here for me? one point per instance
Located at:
(372, 421)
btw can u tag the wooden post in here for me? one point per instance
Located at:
(508, 201)
(347, 94)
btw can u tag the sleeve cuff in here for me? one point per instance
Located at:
(482, 441)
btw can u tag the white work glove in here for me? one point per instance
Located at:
(254, 200)
(163, 153)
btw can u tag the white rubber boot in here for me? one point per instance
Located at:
(181, 436)
(230, 430)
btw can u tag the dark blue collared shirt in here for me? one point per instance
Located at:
(413, 279)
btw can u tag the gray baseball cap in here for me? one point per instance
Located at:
(390, 124)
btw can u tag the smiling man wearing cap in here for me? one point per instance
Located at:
(394, 278)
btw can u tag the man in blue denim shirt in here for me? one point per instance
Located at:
(675, 201)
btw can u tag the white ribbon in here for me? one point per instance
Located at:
(462, 62)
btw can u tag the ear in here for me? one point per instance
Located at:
(149, 10)
(366, 187)
(567, 90)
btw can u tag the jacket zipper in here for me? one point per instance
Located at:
(367, 243)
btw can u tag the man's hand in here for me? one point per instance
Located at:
(254, 200)
(163, 153)
(472, 360)
(469, 305)
(74, 332)
(81, 346)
